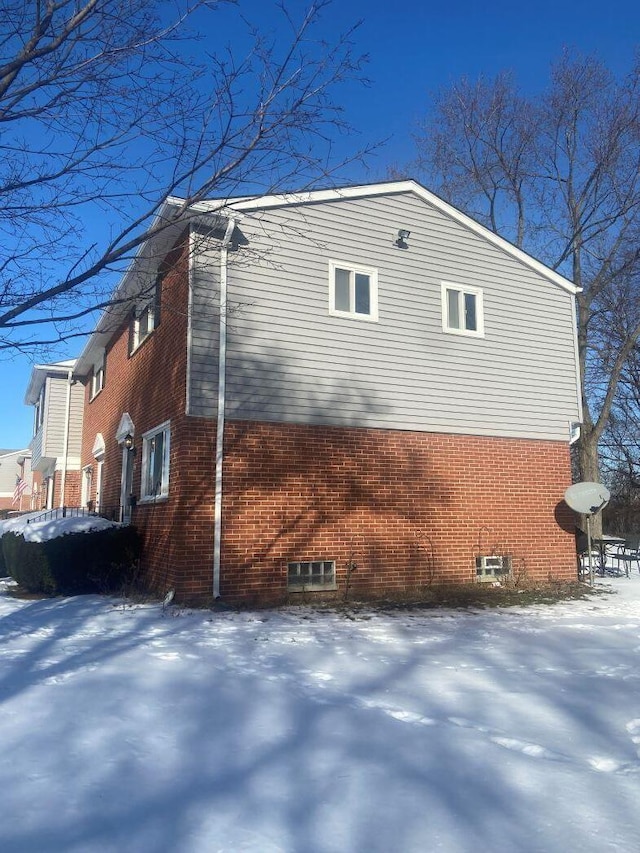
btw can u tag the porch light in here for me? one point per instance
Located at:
(128, 441)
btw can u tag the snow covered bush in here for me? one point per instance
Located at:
(90, 561)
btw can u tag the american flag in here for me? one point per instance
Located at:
(21, 485)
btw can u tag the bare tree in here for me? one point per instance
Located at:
(109, 106)
(559, 175)
(620, 445)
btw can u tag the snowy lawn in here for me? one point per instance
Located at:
(132, 729)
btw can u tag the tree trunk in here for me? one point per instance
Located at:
(589, 473)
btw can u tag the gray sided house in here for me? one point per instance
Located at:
(396, 361)
(377, 392)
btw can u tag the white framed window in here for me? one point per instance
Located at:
(38, 412)
(307, 576)
(353, 291)
(143, 324)
(155, 463)
(146, 317)
(97, 380)
(462, 310)
(492, 568)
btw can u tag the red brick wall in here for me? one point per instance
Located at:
(72, 486)
(406, 507)
(36, 499)
(151, 386)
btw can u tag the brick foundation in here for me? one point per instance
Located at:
(408, 509)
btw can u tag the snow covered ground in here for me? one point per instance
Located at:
(132, 729)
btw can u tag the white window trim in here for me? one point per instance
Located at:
(136, 339)
(38, 415)
(463, 289)
(164, 428)
(97, 384)
(492, 567)
(372, 317)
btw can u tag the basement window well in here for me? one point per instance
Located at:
(311, 576)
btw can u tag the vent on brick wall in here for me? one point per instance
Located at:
(492, 568)
(306, 576)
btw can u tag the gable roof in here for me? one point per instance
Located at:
(39, 373)
(254, 203)
(151, 252)
(25, 451)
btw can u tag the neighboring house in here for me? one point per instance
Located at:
(15, 480)
(58, 400)
(357, 387)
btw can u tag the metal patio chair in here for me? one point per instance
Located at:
(628, 554)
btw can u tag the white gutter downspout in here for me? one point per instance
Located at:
(222, 372)
(63, 477)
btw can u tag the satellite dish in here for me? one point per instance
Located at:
(587, 498)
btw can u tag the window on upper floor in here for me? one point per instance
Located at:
(462, 312)
(97, 379)
(38, 412)
(353, 291)
(155, 462)
(145, 316)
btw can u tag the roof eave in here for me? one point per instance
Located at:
(392, 188)
(145, 263)
(39, 373)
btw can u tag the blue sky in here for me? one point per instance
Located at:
(414, 47)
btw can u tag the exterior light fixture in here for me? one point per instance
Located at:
(403, 236)
(128, 441)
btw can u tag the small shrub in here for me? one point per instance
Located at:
(95, 561)
(4, 571)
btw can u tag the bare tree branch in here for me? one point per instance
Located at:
(559, 175)
(107, 107)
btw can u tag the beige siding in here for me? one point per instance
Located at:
(9, 470)
(75, 420)
(36, 446)
(289, 360)
(55, 418)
